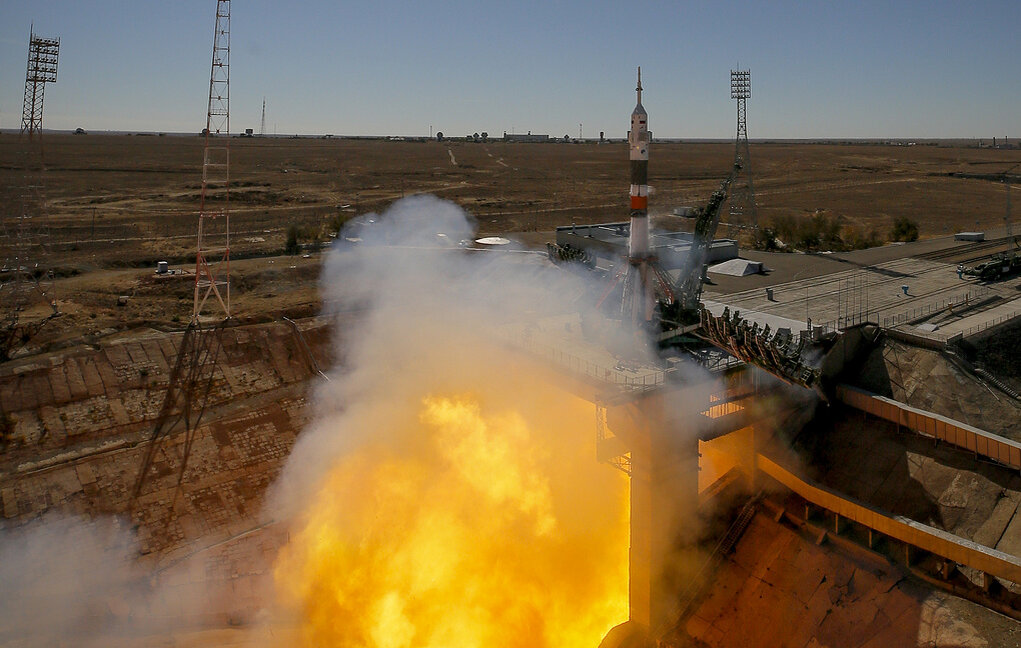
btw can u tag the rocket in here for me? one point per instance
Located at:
(638, 299)
(638, 146)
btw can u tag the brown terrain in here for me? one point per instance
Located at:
(80, 400)
(114, 205)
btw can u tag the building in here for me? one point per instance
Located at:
(525, 138)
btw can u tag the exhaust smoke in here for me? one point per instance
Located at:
(447, 492)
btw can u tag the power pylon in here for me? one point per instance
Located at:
(742, 193)
(42, 69)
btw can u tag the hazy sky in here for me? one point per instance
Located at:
(857, 68)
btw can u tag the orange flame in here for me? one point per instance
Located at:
(481, 529)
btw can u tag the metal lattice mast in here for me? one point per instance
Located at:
(742, 198)
(212, 264)
(262, 128)
(41, 69)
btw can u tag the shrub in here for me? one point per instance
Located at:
(904, 229)
(292, 246)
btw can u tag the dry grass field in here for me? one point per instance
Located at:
(112, 205)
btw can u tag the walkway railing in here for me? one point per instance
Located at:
(935, 541)
(623, 374)
(985, 444)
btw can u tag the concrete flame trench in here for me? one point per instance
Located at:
(657, 435)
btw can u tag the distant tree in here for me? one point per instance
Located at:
(485, 136)
(439, 136)
(292, 246)
(475, 137)
(904, 229)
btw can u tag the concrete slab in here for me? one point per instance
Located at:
(737, 268)
(90, 374)
(994, 526)
(1010, 542)
(75, 381)
(857, 291)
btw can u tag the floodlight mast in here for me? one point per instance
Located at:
(212, 263)
(41, 69)
(742, 202)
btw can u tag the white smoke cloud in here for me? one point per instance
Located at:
(431, 315)
(75, 581)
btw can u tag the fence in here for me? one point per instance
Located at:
(937, 306)
(991, 323)
(924, 310)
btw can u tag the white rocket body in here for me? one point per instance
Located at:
(638, 153)
(638, 303)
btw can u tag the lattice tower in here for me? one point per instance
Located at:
(196, 368)
(212, 264)
(26, 302)
(742, 194)
(42, 69)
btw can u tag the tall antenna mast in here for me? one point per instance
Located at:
(42, 69)
(212, 263)
(262, 129)
(742, 199)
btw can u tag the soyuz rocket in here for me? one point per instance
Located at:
(638, 300)
(638, 150)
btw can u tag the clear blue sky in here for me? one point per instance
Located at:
(819, 69)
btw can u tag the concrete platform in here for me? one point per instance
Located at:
(836, 299)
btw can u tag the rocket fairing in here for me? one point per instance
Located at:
(638, 146)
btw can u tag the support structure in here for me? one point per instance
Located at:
(194, 375)
(25, 302)
(742, 195)
(212, 263)
(42, 69)
(262, 128)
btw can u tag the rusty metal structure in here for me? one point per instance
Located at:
(193, 376)
(781, 352)
(212, 261)
(42, 69)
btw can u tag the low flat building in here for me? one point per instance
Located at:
(529, 137)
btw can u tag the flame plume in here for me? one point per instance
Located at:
(474, 533)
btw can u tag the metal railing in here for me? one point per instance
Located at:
(617, 374)
(936, 541)
(935, 307)
(991, 323)
(985, 444)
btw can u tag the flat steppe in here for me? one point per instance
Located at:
(107, 207)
